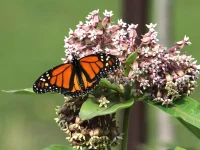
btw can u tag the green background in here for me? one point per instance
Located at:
(31, 42)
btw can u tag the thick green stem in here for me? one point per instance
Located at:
(109, 148)
(125, 128)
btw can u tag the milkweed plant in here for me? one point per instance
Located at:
(149, 72)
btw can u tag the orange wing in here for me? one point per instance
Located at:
(58, 79)
(94, 67)
(98, 65)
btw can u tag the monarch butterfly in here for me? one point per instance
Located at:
(78, 77)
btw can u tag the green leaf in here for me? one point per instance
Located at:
(193, 129)
(21, 91)
(179, 148)
(90, 108)
(185, 108)
(59, 147)
(107, 84)
(24, 91)
(130, 61)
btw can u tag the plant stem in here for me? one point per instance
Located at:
(125, 128)
(109, 148)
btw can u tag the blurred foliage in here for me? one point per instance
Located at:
(31, 37)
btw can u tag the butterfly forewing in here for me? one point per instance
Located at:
(96, 66)
(55, 80)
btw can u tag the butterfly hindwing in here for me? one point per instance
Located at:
(88, 86)
(76, 89)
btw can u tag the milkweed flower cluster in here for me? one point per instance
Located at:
(96, 133)
(165, 74)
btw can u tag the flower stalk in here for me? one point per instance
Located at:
(127, 113)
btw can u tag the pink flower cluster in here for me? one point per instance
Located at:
(99, 35)
(165, 74)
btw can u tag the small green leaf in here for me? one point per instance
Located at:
(59, 147)
(21, 91)
(193, 129)
(90, 108)
(107, 84)
(130, 61)
(185, 108)
(24, 91)
(179, 148)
